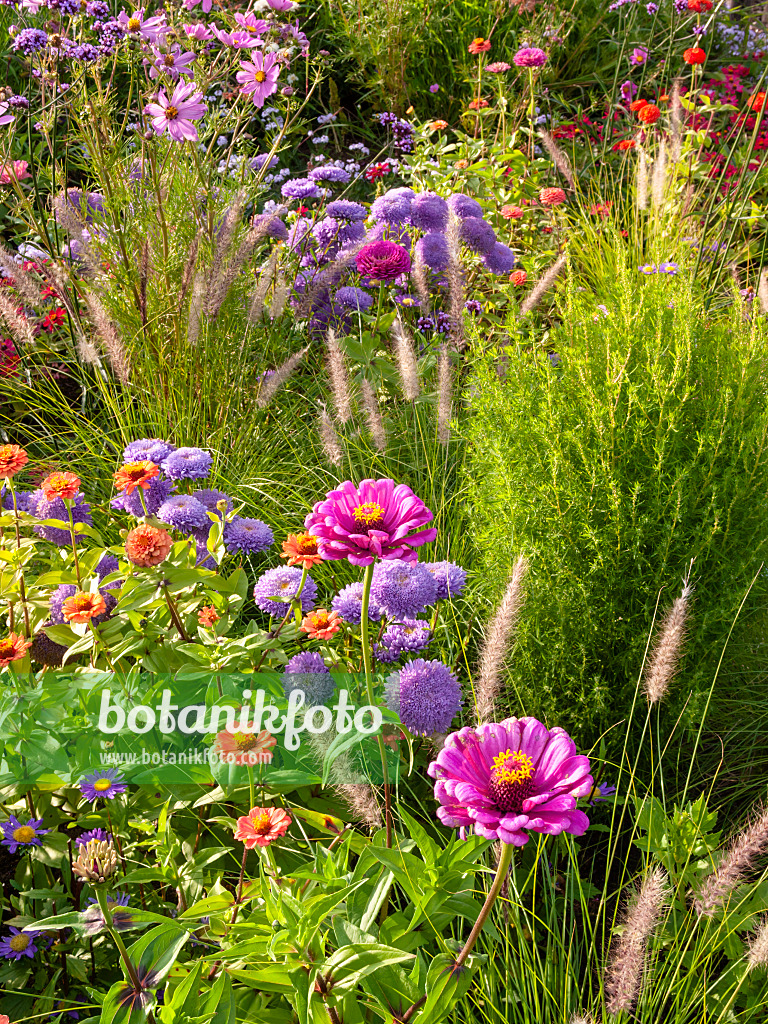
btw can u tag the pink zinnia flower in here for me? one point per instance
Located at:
(530, 57)
(371, 521)
(249, 748)
(382, 260)
(151, 29)
(262, 825)
(508, 779)
(259, 77)
(177, 114)
(497, 66)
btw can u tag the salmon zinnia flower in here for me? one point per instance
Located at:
(479, 45)
(551, 196)
(12, 459)
(518, 277)
(438, 125)
(208, 616)
(13, 648)
(511, 212)
(480, 104)
(147, 545)
(83, 606)
(249, 748)
(649, 114)
(620, 147)
(262, 825)
(60, 485)
(135, 474)
(301, 549)
(321, 624)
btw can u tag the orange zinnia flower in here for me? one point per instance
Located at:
(321, 624)
(437, 126)
(208, 616)
(636, 105)
(83, 606)
(247, 748)
(135, 474)
(756, 102)
(649, 114)
(262, 825)
(625, 144)
(60, 485)
(694, 55)
(700, 6)
(147, 545)
(479, 45)
(13, 648)
(12, 459)
(301, 549)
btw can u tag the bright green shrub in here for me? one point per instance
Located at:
(644, 448)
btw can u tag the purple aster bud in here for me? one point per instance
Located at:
(300, 188)
(187, 464)
(382, 260)
(346, 210)
(354, 298)
(183, 512)
(449, 577)
(392, 209)
(329, 173)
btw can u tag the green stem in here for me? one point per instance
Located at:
(501, 873)
(130, 970)
(378, 310)
(74, 544)
(368, 666)
(22, 589)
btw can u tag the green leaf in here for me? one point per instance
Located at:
(155, 953)
(221, 1002)
(124, 1006)
(351, 963)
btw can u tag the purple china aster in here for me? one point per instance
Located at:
(403, 589)
(477, 234)
(104, 785)
(184, 512)
(18, 944)
(354, 298)
(276, 588)
(99, 834)
(429, 212)
(371, 521)
(247, 536)
(510, 778)
(158, 492)
(349, 604)
(429, 696)
(188, 464)
(345, 209)
(432, 250)
(300, 188)
(464, 206)
(330, 172)
(17, 833)
(530, 57)
(500, 260)
(106, 566)
(210, 497)
(122, 919)
(449, 578)
(308, 672)
(275, 228)
(402, 637)
(382, 260)
(392, 208)
(56, 509)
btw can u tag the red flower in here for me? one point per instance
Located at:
(301, 549)
(551, 196)
(649, 114)
(479, 45)
(700, 6)
(756, 101)
(12, 459)
(208, 616)
(60, 485)
(49, 293)
(636, 105)
(135, 474)
(376, 171)
(147, 545)
(694, 55)
(83, 606)
(620, 147)
(261, 826)
(53, 320)
(13, 648)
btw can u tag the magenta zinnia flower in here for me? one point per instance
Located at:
(368, 522)
(178, 113)
(382, 260)
(530, 57)
(259, 76)
(511, 778)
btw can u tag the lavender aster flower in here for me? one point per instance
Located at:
(276, 588)
(371, 521)
(400, 637)
(392, 209)
(345, 209)
(95, 833)
(508, 779)
(247, 536)
(432, 250)
(430, 696)
(188, 464)
(106, 566)
(449, 578)
(300, 188)
(210, 498)
(308, 672)
(500, 260)
(18, 944)
(530, 57)
(464, 206)
(403, 589)
(155, 495)
(429, 212)
(329, 173)
(148, 449)
(349, 604)
(477, 234)
(16, 833)
(183, 512)
(105, 785)
(354, 298)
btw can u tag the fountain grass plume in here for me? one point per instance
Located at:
(329, 439)
(559, 158)
(496, 643)
(739, 858)
(273, 384)
(109, 336)
(664, 661)
(407, 364)
(373, 415)
(543, 285)
(339, 377)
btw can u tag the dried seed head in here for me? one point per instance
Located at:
(373, 415)
(330, 439)
(543, 285)
(444, 394)
(272, 384)
(738, 859)
(407, 365)
(337, 371)
(663, 663)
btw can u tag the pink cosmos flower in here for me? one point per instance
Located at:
(151, 29)
(5, 117)
(511, 778)
(16, 170)
(198, 30)
(281, 5)
(251, 24)
(259, 77)
(177, 114)
(173, 63)
(189, 4)
(639, 55)
(239, 40)
(371, 521)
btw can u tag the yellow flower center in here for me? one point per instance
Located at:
(134, 24)
(260, 76)
(261, 823)
(370, 513)
(19, 943)
(24, 834)
(171, 113)
(101, 785)
(245, 740)
(512, 767)
(511, 780)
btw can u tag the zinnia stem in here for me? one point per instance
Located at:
(368, 666)
(175, 616)
(501, 873)
(74, 544)
(22, 589)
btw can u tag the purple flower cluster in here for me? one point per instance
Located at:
(29, 41)
(308, 672)
(403, 589)
(428, 697)
(276, 588)
(402, 131)
(349, 604)
(401, 638)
